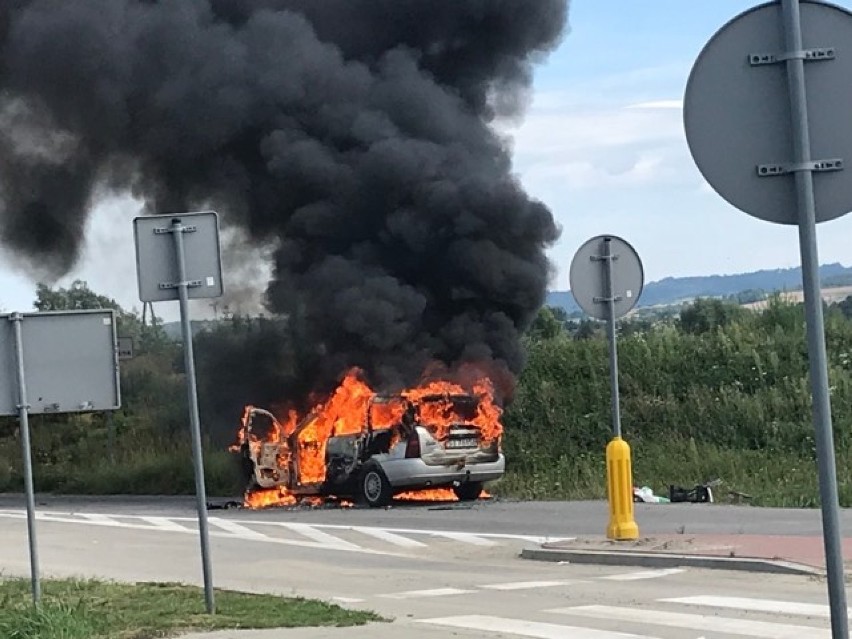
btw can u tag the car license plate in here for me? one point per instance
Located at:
(467, 442)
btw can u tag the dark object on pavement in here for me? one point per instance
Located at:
(697, 495)
(224, 506)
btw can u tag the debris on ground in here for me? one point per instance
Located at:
(228, 505)
(699, 494)
(646, 495)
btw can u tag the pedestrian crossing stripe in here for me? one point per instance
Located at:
(392, 541)
(647, 618)
(691, 621)
(757, 605)
(530, 629)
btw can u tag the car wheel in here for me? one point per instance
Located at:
(375, 487)
(468, 491)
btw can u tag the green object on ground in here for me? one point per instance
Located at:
(90, 609)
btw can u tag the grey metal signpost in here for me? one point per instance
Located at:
(24, 420)
(754, 122)
(57, 362)
(178, 257)
(606, 280)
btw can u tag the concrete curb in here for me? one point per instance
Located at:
(669, 560)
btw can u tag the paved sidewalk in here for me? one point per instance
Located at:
(396, 630)
(758, 553)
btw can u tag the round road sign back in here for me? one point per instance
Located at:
(588, 276)
(737, 115)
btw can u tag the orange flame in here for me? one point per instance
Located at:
(342, 414)
(428, 494)
(265, 497)
(434, 494)
(442, 414)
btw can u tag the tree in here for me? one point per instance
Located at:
(705, 315)
(845, 307)
(586, 329)
(79, 296)
(548, 324)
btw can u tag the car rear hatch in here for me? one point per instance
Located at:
(463, 444)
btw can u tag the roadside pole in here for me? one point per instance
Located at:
(177, 230)
(606, 280)
(24, 420)
(768, 90)
(619, 467)
(817, 359)
(178, 257)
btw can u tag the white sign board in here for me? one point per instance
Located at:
(156, 262)
(70, 362)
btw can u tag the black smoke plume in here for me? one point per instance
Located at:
(353, 135)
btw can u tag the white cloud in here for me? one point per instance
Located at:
(658, 104)
(608, 145)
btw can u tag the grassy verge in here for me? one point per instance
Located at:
(74, 458)
(99, 610)
(771, 478)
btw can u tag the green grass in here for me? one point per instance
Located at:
(74, 458)
(73, 609)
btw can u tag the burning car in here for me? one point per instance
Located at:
(371, 446)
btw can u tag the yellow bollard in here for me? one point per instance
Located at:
(619, 481)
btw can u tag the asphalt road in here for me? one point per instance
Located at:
(522, 518)
(446, 572)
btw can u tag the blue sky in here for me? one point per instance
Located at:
(602, 144)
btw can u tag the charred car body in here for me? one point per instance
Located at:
(396, 449)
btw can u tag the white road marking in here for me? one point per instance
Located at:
(391, 538)
(757, 605)
(311, 532)
(100, 520)
(349, 600)
(704, 623)
(103, 520)
(522, 628)
(467, 538)
(644, 574)
(526, 585)
(464, 537)
(320, 534)
(164, 523)
(237, 530)
(434, 592)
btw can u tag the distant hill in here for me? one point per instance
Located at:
(673, 290)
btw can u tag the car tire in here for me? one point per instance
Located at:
(468, 491)
(374, 486)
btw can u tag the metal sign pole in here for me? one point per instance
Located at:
(609, 294)
(619, 467)
(177, 230)
(110, 435)
(815, 325)
(23, 416)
